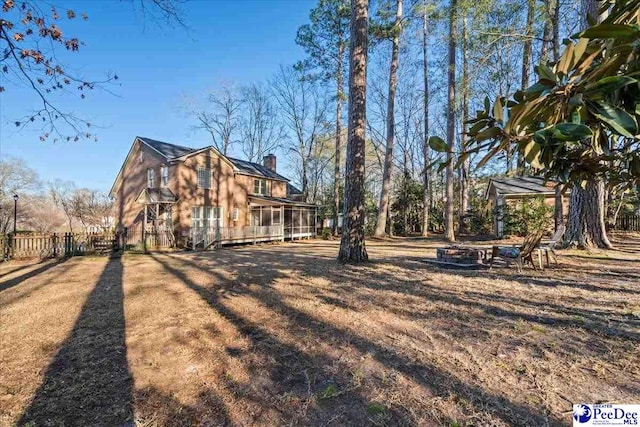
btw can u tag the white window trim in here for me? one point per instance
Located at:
(198, 218)
(204, 171)
(164, 173)
(263, 187)
(151, 178)
(236, 214)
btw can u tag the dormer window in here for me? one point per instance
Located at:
(260, 187)
(150, 178)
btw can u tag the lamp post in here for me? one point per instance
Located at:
(15, 212)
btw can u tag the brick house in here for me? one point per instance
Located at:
(203, 198)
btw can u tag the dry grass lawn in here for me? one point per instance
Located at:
(284, 335)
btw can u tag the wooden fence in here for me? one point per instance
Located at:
(156, 237)
(628, 223)
(55, 245)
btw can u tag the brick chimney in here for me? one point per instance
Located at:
(269, 162)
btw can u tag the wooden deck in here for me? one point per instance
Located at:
(205, 238)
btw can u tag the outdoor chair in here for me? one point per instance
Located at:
(518, 254)
(549, 247)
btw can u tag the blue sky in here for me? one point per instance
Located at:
(160, 70)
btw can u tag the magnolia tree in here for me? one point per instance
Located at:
(579, 122)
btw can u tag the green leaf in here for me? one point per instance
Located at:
(443, 165)
(579, 50)
(489, 133)
(532, 154)
(611, 31)
(610, 84)
(437, 144)
(616, 118)
(546, 73)
(477, 127)
(498, 108)
(461, 159)
(573, 131)
(565, 60)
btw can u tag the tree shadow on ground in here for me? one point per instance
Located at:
(19, 293)
(297, 374)
(7, 284)
(594, 321)
(256, 273)
(89, 382)
(13, 270)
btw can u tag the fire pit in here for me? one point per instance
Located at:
(461, 255)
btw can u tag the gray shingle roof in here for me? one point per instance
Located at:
(292, 191)
(257, 169)
(172, 151)
(166, 149)
(520, 185)
(281, 201)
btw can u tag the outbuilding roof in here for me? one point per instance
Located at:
(518, 185)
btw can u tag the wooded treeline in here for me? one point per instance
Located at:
(45, 207)
(447, 95)
(301, 110)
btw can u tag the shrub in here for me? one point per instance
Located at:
(480, 217)
(525, 216)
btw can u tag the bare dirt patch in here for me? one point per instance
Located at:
(283, 334)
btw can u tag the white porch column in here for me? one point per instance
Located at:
(500, 216)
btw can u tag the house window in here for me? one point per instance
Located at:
(164, 176)
(260, 187)
(141, 156)
(236, 214)
(204, 178)
(150, 178)
(206, 216)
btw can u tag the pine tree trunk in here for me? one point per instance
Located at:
(352, 243)
(383, 206)
(586, 228)
(336, 168)
(556, 30)
(426, 195)
(449, 232)
(546, 33)
(464, 170)
(526, 65)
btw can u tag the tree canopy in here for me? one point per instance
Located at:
(580, 119)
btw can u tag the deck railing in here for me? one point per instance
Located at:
(292, 231)
(204, 237)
